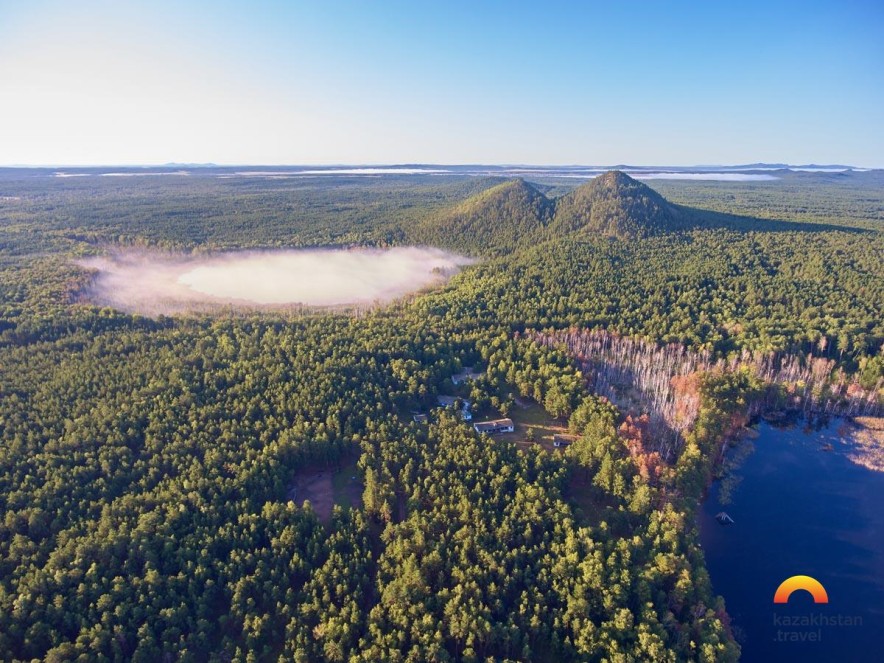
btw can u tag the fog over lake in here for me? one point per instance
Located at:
(155, 283)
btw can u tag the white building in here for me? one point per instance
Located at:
(494, 426)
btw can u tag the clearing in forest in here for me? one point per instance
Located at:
(324, 487)
(533, 425)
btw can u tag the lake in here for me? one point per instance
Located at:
(800, 510)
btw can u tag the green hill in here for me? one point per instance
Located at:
(495, 220)
(616, 205)
(515, 213)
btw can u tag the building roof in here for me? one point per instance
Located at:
(493, 425)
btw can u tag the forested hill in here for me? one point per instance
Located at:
(616, 205)
(499, 218)
(516, 213)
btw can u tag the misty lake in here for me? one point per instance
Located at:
(800, 509)
(152, 283)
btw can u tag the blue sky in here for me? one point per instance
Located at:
(675, 83)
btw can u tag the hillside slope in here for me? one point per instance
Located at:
(615, 205)
(515, 213)
(495, 220)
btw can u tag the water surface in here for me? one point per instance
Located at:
(800, 510)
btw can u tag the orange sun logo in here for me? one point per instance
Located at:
(808, 584)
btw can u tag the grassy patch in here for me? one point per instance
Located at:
(591, 505)
(347, 484)
(324, 487)
(541, 425)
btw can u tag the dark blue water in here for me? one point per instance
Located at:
(800, 510)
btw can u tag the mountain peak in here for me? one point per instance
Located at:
(615, 178)
(515, 213)
(617, 205)
(496, 219)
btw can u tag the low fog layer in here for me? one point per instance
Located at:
(712, 177)
(153, 283)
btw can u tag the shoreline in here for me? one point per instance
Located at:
(866, 437)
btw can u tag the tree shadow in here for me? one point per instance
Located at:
(695, 218)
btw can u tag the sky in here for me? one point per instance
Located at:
(603, 83)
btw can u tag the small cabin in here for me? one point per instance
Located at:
(421, 419)
(562, 441)
(494, 426)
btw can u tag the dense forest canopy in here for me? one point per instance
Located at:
(146, 465)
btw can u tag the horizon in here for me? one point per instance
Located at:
(755, 165)
(396, 83)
